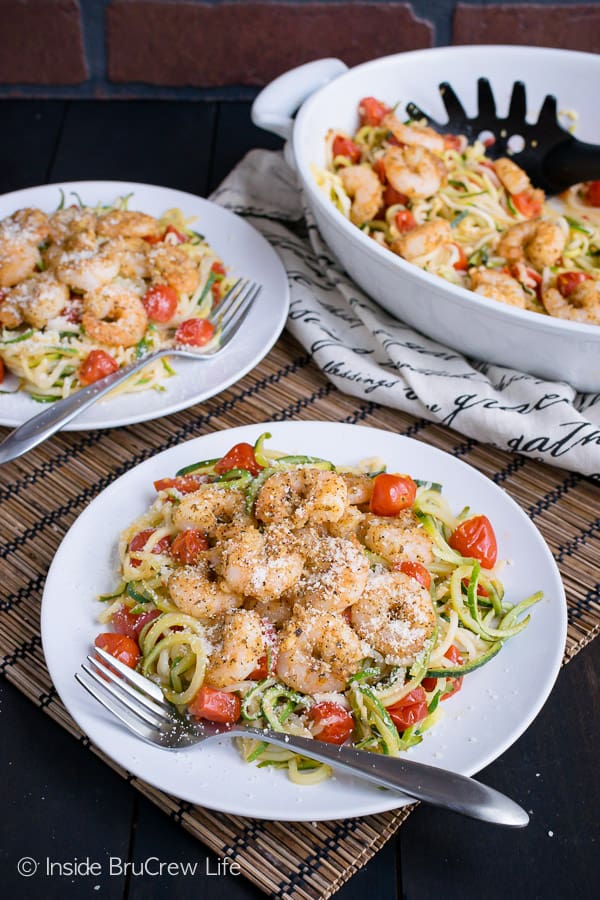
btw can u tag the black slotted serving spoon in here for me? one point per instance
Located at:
(551, 156)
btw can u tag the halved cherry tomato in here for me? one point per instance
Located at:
(476, 538)
(120, 646)
(527, 203)
(161, 302)
(379, 169)
(125, 622)
(1, 371)
(195, 332)
(241, 456)
(452, 142)
(188, 545)
(392, 139)
(391, 494)
(371, 111)
(391, 196)
(139, 541)
(461, 263)
(343, 146)
(568, 281)
(96, 365)
(170, 229)
(332, 723)
(414, 570)
(481, 591)
(591, 193)
(410, 710)
(185, 484)
(216, 291)
(216, 706)
(267, 662)
(218, 268)
(453, 685)
(405, 221)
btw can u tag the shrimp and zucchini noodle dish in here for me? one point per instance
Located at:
(339, 603)
(86, 290)
(443, 205)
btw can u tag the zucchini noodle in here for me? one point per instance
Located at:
(385, 705)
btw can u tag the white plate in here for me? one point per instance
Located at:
(245, 253)
(495, 706)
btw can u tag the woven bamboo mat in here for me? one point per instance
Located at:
(42, 494)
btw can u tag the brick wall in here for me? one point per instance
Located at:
(187, 48)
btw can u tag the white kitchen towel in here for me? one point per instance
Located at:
(369, 354)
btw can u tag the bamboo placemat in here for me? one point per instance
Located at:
(42, 494)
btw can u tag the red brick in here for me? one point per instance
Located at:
(567, 27)
(181, 43)
(42, 42)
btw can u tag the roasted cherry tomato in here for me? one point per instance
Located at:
(461, 263)
(391, 196)
(453, 685)
(139, 541)
(122, 647)
(185, 484)
(391, 494)
(405, 221)
(379, 169)
(343, 146)
(568, 281)
(481, 591)
(218, 268)
(414, 570)
(591, 193)
(241, 456)
(371, 111)
(410, 710)
(527, 203)
(161, 302)
(178, 235)
(188, 545)
(96, 365)
(195, 332)
(452, 142)
(126, 622)
(332, 723)
(475, 538)
(216, 706)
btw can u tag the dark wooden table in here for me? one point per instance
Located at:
(61, 803)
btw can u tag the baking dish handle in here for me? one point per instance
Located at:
(274, 107)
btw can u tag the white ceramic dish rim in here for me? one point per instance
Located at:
(274, 300)
(357, 799)
(386, 258)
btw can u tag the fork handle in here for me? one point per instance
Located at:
(42, 426)
(436, 786)
(570, 163)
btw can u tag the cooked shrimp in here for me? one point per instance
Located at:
(10, 311)
(29, 225)
(72, 223)
(360, 488)
(238, 653)
(276, 611)
(395, 614)
(40, 298)
(349, 525)
(114, 315)
(132, 254)
(512, 176)
(414, 171)
(498, 286)
(18, 259)
(209, 508)
(173, 265)
(366, 190)
(583, 304)
(335, 572)
(301, 496)
(417, 135)
(86, 270)
(126, 223)
(422, 240)
(195, 590)
(539, 241)
(260, 564)
(318, 652)
(396, 538)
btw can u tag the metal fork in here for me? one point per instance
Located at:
(140, 705)
(227, 317)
